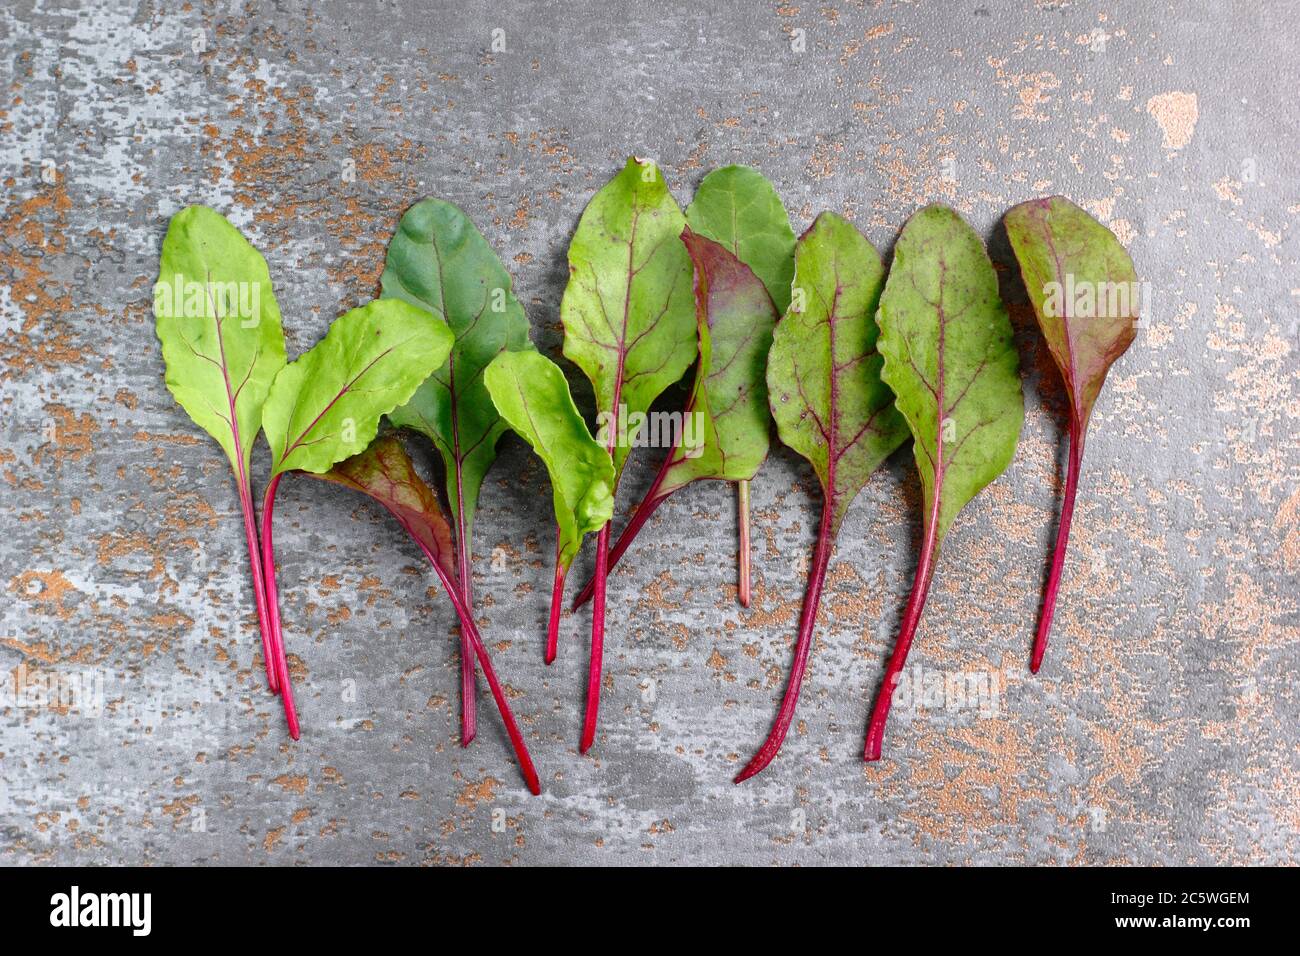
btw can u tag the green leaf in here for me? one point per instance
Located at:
(1083, 288)
(823, 372)
(222, 345)
(823, 376)
(627, 311)
(951, 361)
(326, 405)
(531, 394)
(219, 326)
(735, 318)
(439, 261)
(629, 325)
(737, 207)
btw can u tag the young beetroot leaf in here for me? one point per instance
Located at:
(738, 208)
(629, 324)
(1084, 291)
(439, 261)
(219, 326)
(823, 379)
(735, 317)
(384, 472)
(951, 362)
(325, 407)
(531, 394)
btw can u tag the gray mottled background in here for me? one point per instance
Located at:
(1163, 727)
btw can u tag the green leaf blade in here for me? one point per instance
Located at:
(222, 343)
(325, 406)
(219, 326)
(950, 360)
(1083, 289)
(830, 405)
(737, 207)
(629, 322)
(531, 394)
(439, 261)
(823, 372)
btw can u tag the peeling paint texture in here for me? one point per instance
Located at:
(1163, 727)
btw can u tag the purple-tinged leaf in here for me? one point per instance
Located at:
(1085, 293)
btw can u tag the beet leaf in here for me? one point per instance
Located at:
(951, 361)
(531, 394)
(384, 472)
(222, 343)
(629, 325)
(1084, 291)
(439, 261)
(737, 207)
(325, 407)
(830, 405)
(734, 317)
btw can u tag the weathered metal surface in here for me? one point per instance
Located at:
(1163, 727)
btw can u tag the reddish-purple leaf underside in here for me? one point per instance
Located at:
(385, 473)
(1085, 294)
(726, 423)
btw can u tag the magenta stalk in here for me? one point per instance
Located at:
(273, 609)
(807, 621)
(470, 629)
(557, 605)
(1062, 540)
(911, 618)
(259, 585)
(597, 643)
(468, 688)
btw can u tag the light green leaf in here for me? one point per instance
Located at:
(219, 326)
(629, 322)
(737, 207)
(222, 345)
(823, 373)
(531, 394)
(325, 406)
(439, 261)
(951, 361)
